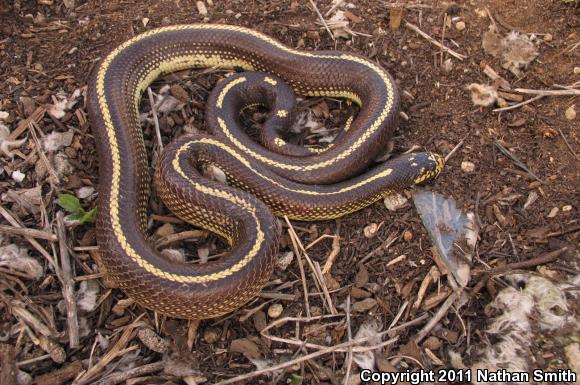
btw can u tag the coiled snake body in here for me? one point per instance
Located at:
(283, 179)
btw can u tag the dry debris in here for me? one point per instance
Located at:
(515, 50)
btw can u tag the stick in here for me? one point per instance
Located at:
(549, 257)
(434, 42)
(568, 144)
(349, 333)
(518, 105)
(567, 92)
(23, 126)
(117, 378)
(433, 321)
(26, 232)
(115, 351)
(454, 150)
(53, 175)
(306, 358)
(322, 19)
(68, 284)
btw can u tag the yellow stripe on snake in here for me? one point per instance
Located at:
(273, 177)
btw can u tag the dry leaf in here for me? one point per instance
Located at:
(246, 347)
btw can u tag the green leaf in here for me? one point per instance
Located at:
(294, 379)
(75, 217)
(70, 203)
(89, 216)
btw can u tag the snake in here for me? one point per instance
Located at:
(265, 179)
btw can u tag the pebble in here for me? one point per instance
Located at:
(371, 230)
(394, 202)
(576, 70)
(275, 310)
(18, 176)
(201, 8)
(211, 335)
(567, 208)
(284, 260)
(548, 37)
(152, 340)
(467, 166)
(460, 25)
(407, 235)
(553, 212)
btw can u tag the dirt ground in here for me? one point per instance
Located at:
(528, 219)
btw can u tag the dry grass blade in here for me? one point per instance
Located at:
(117, 350)
(293, 238)
(517, 162)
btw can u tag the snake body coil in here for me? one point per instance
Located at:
(302, 183)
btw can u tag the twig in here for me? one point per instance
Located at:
(490, 72)
(567, 92)
(454, 150)
(349, 334)
(308, 357)
(399, 314)
(568, 144)
(115, 351)
(68, 284)
(60, 376)
(385, 245)
(322, 19)
(293, 238)
(119, 377)
(436, 318)
(23, 126)
(516, 161)
(335, 250)
(155, 119)
(443, 38)
(188, 234)
(26, 232)
(548, 257)
(434, 42)
(518, 105)
(53, 175)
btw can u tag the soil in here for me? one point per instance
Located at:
(48, 48)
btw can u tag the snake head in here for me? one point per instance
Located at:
(431, 165)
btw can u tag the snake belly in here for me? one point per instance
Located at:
(323, 185)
